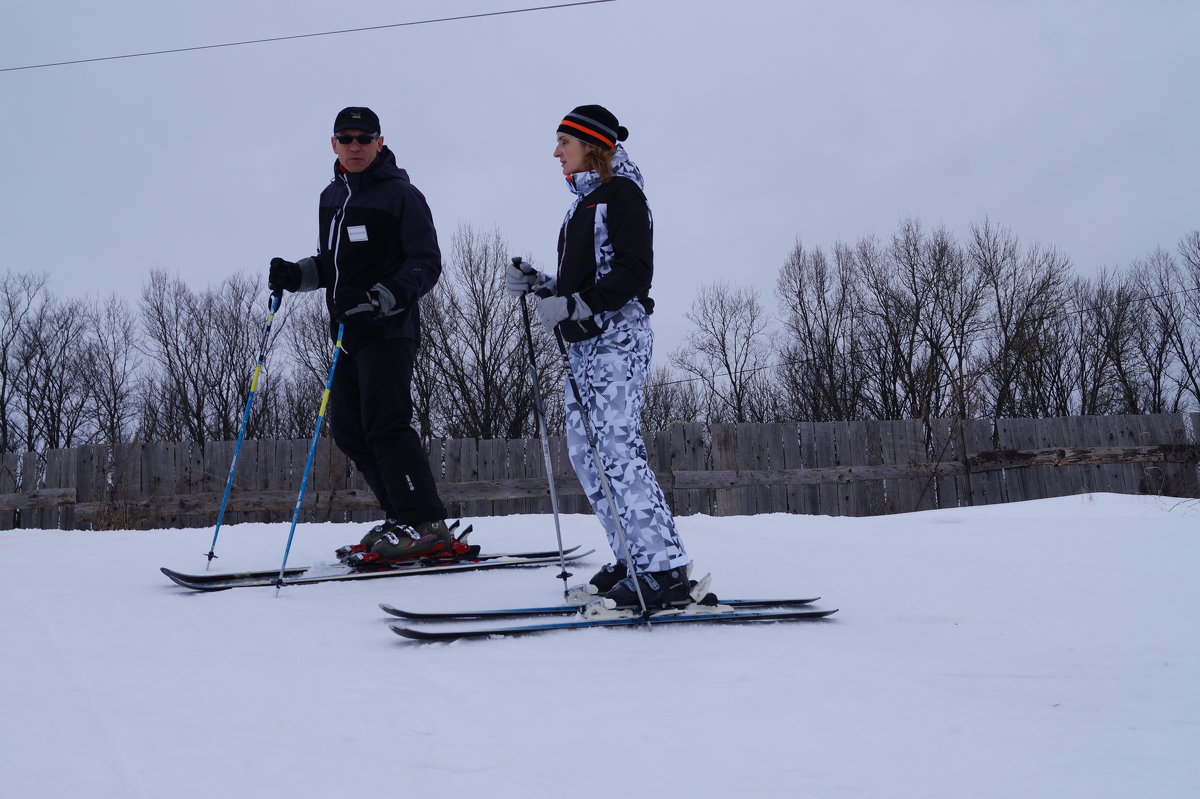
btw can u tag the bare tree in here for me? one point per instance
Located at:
(21, 295)
(298, 372)
(728, 351)
(821, 376)
(1117, 319)
(668, 399)
(1157, 334)
(54, 387)
(1187, 343)
(204, 344)
(1169, 339)
(1095, 310)
(304, 326)
(1027, 291)
(906, 379)
(111, 369)
(478, 379)
(175, 403)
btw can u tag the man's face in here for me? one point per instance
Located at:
(354, 156)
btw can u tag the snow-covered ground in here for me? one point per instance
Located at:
(1042, 649)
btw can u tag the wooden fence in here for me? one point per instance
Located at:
(857, 468)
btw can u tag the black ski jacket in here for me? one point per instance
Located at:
(376, 227)
(619, 244)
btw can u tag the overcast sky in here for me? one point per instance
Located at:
(755, 123)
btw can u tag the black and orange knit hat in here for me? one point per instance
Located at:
(594, 124)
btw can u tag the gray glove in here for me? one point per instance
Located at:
(365, 304)
(519, 278)
(553, 310)
(354, 304)
(385, 300)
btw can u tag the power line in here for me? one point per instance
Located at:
(307, 35)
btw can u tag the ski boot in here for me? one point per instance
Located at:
(667, 590)
(392, 526)
(602, 582)
(374, 534)
(423, 541)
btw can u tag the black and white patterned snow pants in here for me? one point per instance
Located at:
(611, 370)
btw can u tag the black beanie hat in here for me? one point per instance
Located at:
(356, 118)
(594, 124)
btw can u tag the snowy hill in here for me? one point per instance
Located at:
(1043, 649)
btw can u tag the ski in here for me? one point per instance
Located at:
(311, 575)
(565, 610)
(730, 617)
(198, 579)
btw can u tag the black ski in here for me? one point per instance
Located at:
(732, 617)
(310, 575)
(566, 610)
(199, 579)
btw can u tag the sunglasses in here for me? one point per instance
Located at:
(363, 139)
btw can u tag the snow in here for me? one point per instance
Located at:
(1040, 649)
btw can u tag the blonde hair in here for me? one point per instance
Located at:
(601, 161)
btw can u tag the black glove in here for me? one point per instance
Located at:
(355, 304)
(284, 275)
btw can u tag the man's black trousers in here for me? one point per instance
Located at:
(372, 412)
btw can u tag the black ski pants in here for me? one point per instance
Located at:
(372, 412)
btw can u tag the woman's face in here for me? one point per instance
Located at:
(571, 153)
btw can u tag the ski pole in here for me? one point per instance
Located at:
(312, 451)
(605, 486)
(276, 300)
(540, 412)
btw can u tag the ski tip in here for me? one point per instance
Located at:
(179, 578)
(419, 635)
(182, 581)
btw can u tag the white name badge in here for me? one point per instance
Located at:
(357, 232)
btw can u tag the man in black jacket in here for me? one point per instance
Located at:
(378, 255)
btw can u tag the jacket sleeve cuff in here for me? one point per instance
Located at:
(310, 275)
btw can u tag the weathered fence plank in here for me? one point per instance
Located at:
(823, 455)
(1169, 478)
(946, 446)
(1115, 433)
(835, 468)
(727, 502)
(30, 519)
(40, 498)
(8, 485)
(806, 437)
(60, 470)
(773, 444)
(687, 451)
(800, 499)
(862, 441)
(986, 486)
